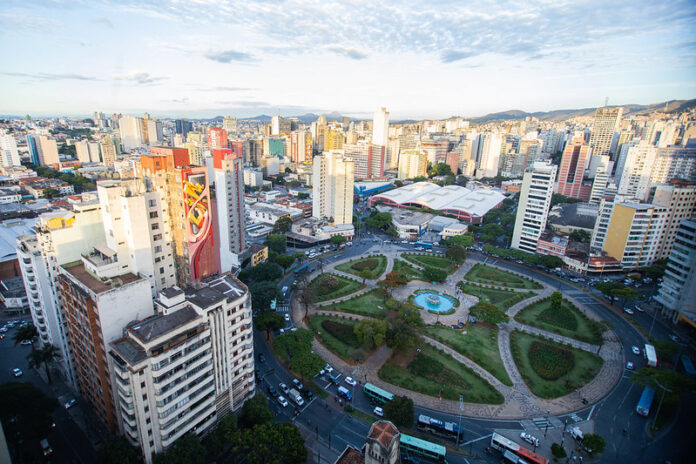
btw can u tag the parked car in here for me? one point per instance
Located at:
(674, 338)
(25, 342)
(531, 439)
(70, 403)
(309, 395)
(635, 350)
(350, 381)
(272, 391)
(328, 368)
(283, 388)
(628, 310)
(262, 358)
(283, 402)
(17, 372)
(287, 317)
(629, 365)
(378, 411)
(298, 384)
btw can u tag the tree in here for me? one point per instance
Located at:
(118, 451)
(371, 332)
(269, 320)
(284, 261)
(338, 239)
(627, 294)
(219, 439)
(489, 313)
(262, 293)
(673, 383)
(288, 171)
(433, 274)
(593, 443)
(380, 221)
(657, 270)
(308, 296)
(43, 357)
(491, 232)
(608, 288)
(263, 272)
(393, 280)
(419, 179)
(186, 450)
(256, 412)
(557, 198)
(466, 240)
(282, 225)
(556, 301)
(51, 193)
(366, 274)
(398, 183)
(273, 443)
(550, 262)
(27, 332)
(456, 253)
(440, 169)
(579, 235)
(558, 451)
(400, 411)
(302, 196)
(277, 243)
(405, 329)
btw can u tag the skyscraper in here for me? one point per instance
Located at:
(230, 125)
(9, 156)
(229, 188)
(217, 138)
(34, 146)
(48, 151)
(679, 197)
(332, 183)
(412, 163)
(633, 235)
(131, 130)
(380, 127)
(606, 122)
(573, 164)
(533, 207)
(108, 150)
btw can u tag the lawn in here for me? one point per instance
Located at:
(568, 322)
(367, 304)
(376, 264)
(402, 267)
(438, 262)
(480, 273)
(337, 335)
(436, 374)
(503, 299)
(480, 344)
(576, 367)
(331, 286)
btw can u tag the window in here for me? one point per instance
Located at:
(157, 237)
(152, 203)
(161, 270)
(153, 214)
(155, 226)
(158, 249)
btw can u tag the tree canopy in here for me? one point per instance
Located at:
(262, 293)
(187, 449)
(440, 169)
(400, 411)
(118, 451)
(284, 261)
(466, 240)
(371, 332)
(673, 383)
(338, 239)
(456, 253)
(433, 274)
(256, 412)
(282, 225)
(272, 443)
(277, 243)
(261, 273)
(406, 328)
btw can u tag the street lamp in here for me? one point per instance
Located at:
(461, 409)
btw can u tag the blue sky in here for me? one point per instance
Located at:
(420, 59)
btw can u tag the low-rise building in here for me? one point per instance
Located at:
(13, 296)
(259, 253)
(552, 245)
(37, 186)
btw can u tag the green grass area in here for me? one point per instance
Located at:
(483, 274)
(402, 267)
(332, 286)
(376, 264)
(337, 335)
(367, 304)
(584, 367)
(480, 344)
(316, 389)
(569, 321)
(363, 416)
(438, 262)
(434, 373)
(503, 299)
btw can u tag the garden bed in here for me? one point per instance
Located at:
(437, 262)
(411, 273)
(337, 335)
(376, 264)
(480, 273)
(332, 286)
(368, 304)
(569, 321)
(501, 298)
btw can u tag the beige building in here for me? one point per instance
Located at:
(679, 197)
(332, 182)
(48, 151)
(606, 122)
(412, 163)
(533, 207)
(634, 232)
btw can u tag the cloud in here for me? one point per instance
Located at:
(351, 53)
(225, 89)
(139, 78)
(245, 103)
(450, 56)
(51, 76)
(227, 56)
(105, 21)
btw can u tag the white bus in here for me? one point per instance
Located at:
(650, 356)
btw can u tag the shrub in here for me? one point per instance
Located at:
(328, 283)
(550, 362)
(343, 332)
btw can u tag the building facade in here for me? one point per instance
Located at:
(229, 191)
(633, 235)
(332, 183)
(677, 291)
(533, 207)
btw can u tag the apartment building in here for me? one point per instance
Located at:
(533, 207)
(677, 291)
(332, 182)
(679, 197)
(634, 232)
(229, 190)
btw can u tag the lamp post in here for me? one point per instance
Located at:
(461, 409)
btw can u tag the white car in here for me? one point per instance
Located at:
(531, 439)
(635, 350)
(283, 402)
(283, 388)
(328, 369)
(378, 411)
(70, 404)
(629, 365)
(287, 317)
(628, 310)
(17, 372)
(350, 381)
(25, 342)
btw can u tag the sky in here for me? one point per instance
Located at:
(420, 59)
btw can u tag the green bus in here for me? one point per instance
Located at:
(412, 445)
(376, 394)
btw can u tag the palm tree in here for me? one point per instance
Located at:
(43, 356)
(28, 332)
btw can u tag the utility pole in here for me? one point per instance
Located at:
(461, 409)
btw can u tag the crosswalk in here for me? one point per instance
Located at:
(575, 418)
(541, 422)
(283, 308)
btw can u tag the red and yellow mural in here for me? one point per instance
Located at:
(199, 227)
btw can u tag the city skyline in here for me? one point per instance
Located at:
(205, 58)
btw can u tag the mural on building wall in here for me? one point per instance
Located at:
(199, 230)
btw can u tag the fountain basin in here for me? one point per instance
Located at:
(434, 302)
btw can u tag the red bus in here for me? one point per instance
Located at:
(509, 447)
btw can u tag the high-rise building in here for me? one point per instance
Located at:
(95, 313)
(412, 163)
(108, 150)
(490, 146)
(253, 152)
(570, 175)
(606, 122)
(380, 127)
(280, 125)
(300, 146)
(217, 138)
(368, 158)
(186, 367)
(182, 126)
(131, 130)
(677, 291)
(229, 189)
(679, 197)
(633, 235)
(9, 155)
(34, 147)
(48, 151)
(599, 185)
(533, 207)
(82, 151)
(333, 139)
(332, 181)
(230, 125)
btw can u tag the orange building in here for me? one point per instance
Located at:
(217, 138)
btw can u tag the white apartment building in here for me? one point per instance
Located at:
(9, 155)
(677, 291)
(131, 131)
(380, 127)
(533, 207)
(229, 189)
(412, 163)
(332, 183)
(48, 151)
(184, 368)
(606, 122)
(679, 197)
(253, 177)
(490, 146)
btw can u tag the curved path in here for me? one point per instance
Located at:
(519, 402)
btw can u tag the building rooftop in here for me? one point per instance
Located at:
(129, 350)
(157, 326)
(9, 231)
(580, 215)
(228, 285)
(171, 292)
(350, 455)
(97, 286)
(384, 432)
(12, 287)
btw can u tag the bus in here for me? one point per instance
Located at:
(509, 448)
(301, 269)
(448, 430)
(646, 399)
(376, 394)
(650, 356)
(426, 245)
(415, 446)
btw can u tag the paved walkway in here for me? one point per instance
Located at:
(519, 401)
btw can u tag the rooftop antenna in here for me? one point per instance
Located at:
(606, 101)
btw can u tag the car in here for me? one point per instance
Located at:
(378, 411)
(272, 391)
(628, 310)
(674, 338)
(297, 383)
(531, 439)
(262, 358)
(287, 317)
(350, 381)
(629, 365)
(283, 402)
(45, 447)
(17, 372)
(69, 404)
(284, 388)
(25, 342)
(328, 368)
(332, 379)
(640, 309)
(294, 282)
(259, 374)
(309, 395)
(635, 350)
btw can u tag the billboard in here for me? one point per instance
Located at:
(198, 220)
